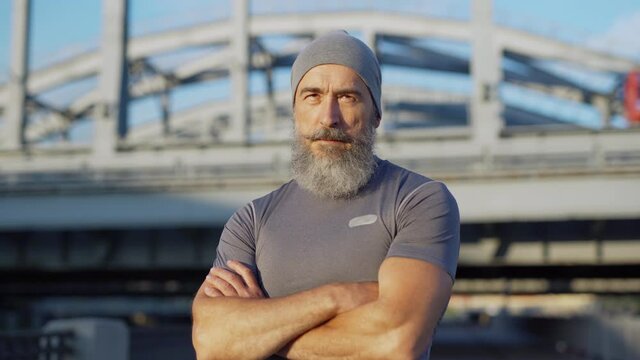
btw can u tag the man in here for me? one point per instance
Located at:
(353, 258)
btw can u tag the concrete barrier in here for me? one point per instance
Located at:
(94, 338)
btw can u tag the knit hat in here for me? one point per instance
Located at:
(338, 47)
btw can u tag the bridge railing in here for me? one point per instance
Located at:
(36, 345)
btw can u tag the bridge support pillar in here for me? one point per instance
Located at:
(486, 71)
(239, 73)
(271, 107)
(15, 120)
(111, 110)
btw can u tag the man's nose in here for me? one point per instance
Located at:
(331, 114)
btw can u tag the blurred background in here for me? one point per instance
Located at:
(131, 130)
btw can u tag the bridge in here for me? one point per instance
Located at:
(119, 165)
(496, 112)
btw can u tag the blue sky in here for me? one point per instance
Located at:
(63, 28)
(595, 16)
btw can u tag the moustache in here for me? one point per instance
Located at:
(331, 134)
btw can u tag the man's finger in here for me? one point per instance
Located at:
(244, 271)
(223, 286)
(229, 278)
(212, 292)
(210, 280)
(247, 275)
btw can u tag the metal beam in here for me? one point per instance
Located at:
(303, 24)
(264, 60)
(486, 71)
(15, 121)
(218, 33)
(156, 84)
(204, 113)
(55, 123)
(193, 120)
(280, 128)
(76, 68)
(238, 127)
(381, 22)
(111, 112)
(150, 85)
(88, 64)
(548, 48)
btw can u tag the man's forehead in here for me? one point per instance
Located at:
(331, 75)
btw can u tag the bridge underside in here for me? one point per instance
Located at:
(581, 256)
(210, 202)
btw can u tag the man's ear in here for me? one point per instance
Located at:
(377, 120)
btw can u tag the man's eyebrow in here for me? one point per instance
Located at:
(310, 90)
(345, 91)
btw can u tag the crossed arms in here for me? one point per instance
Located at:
(391, 319)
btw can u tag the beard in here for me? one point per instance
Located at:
(338, 172)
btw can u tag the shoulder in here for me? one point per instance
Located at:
(263, 203)
(408, 183)
(252, 212)
(263, 207)
(412, 190)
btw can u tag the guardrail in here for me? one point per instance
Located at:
(36, 345)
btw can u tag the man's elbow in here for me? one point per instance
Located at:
(402, 343)
(412, 349)
(202, 341)
(200, 344)
(403, 347)
(206, 339)
(209, 345)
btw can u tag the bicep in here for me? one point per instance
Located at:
(237, 241)
(428, 227)
(414, 293)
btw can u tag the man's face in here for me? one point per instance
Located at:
(332, 153)
(329, 97)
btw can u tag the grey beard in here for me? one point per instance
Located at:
(340, 173)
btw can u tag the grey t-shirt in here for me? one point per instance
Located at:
(295, 241)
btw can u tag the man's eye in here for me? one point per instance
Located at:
(347, 98)
(312, 97)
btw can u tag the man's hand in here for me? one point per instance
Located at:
(255, 327)
(241, 282)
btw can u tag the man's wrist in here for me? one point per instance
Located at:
(345, 297)
(331, 293)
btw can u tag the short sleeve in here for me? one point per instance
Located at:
(237, 241)
(428, 227)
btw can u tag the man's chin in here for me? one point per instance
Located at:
(329, 149)
(332, 154)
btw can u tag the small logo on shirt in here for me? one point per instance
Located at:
(362, 220)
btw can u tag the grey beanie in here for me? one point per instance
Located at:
(338, 47)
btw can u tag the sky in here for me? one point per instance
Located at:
(63, 28)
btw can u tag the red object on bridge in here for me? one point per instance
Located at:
(632, 97)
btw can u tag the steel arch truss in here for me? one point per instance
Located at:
(235, 47)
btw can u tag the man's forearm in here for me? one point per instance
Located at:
(398, 325)
(233, 327)
(364, 333)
